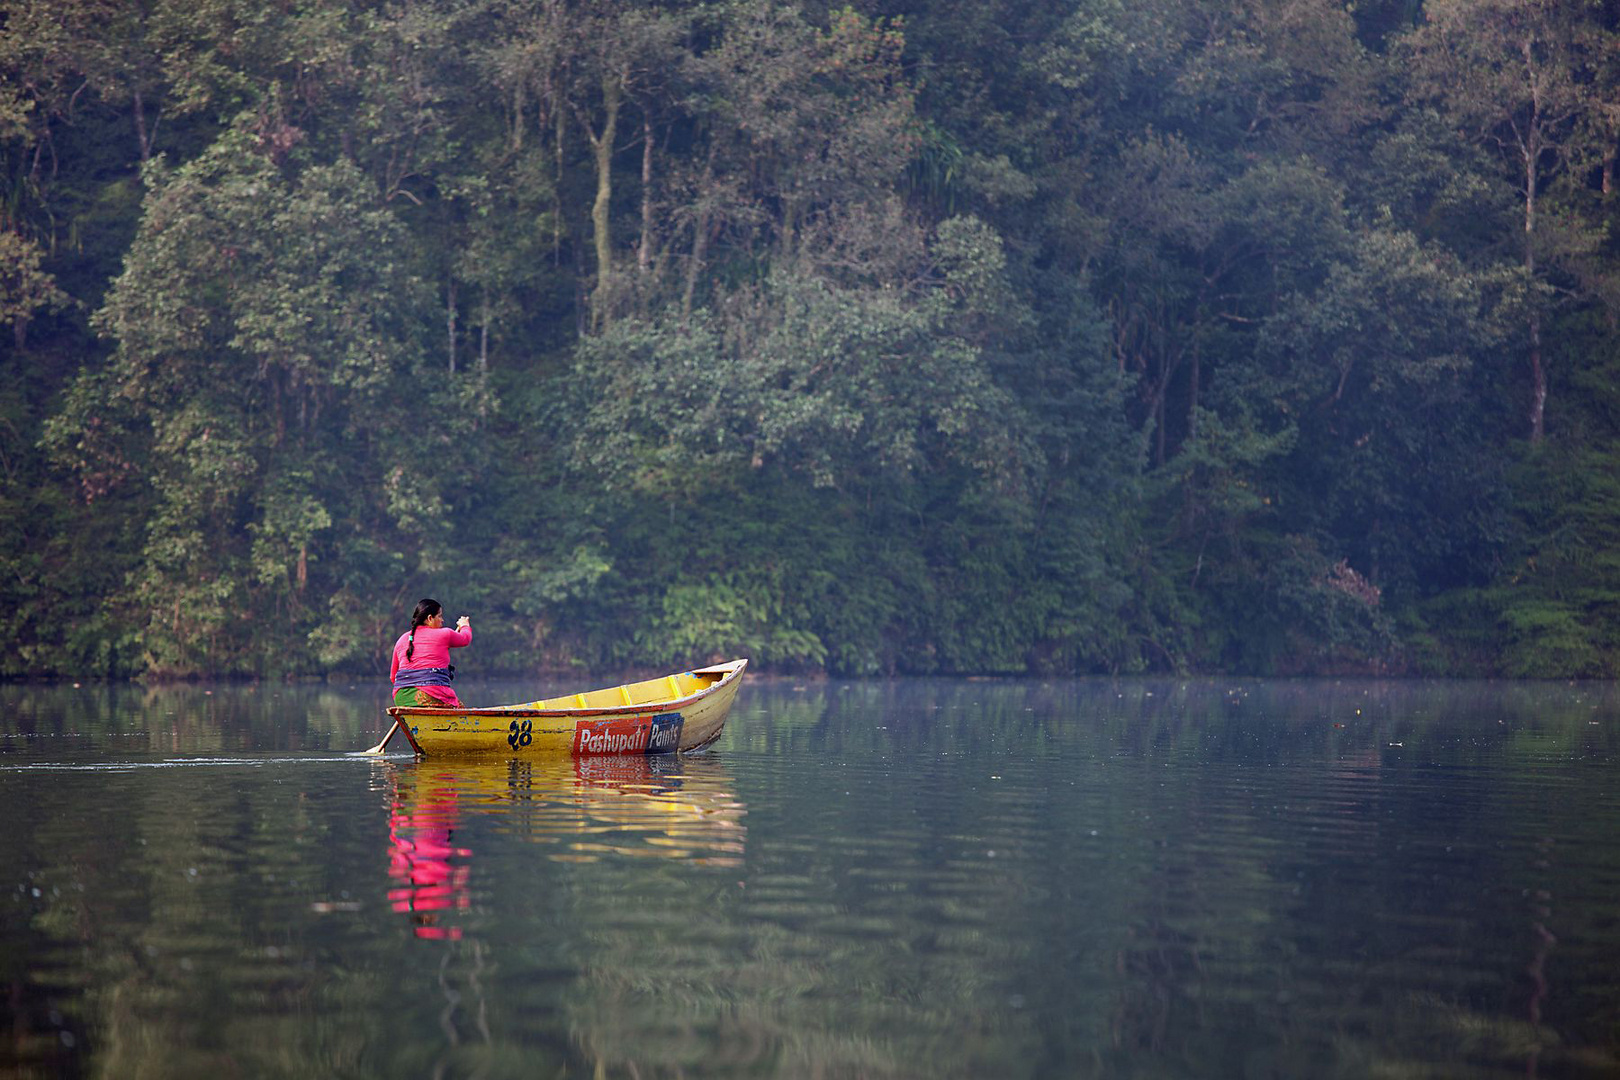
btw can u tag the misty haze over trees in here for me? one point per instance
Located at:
(1259, 336)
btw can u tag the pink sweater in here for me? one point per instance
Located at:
(432, 648)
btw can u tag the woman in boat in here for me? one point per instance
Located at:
(421, 671)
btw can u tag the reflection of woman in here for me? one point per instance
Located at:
(421, 670)
(421, 847)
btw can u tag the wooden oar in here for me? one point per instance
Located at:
(403, 728)
(379, 747)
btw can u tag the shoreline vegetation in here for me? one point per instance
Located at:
(1046, 338)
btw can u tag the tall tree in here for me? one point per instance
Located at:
(1524, 79)
(265, 330)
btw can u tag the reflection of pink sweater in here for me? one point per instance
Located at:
(432, 648)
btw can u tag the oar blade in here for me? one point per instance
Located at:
(378, 749)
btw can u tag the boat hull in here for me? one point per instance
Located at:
(688, 715)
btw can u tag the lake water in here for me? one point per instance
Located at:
(908, 879)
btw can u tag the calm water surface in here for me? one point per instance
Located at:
(914, 879)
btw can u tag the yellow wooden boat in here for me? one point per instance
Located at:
(656, 716)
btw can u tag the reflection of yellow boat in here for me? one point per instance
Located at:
(656, 716)
(587, 807)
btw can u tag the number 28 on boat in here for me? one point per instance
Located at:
(669, 714)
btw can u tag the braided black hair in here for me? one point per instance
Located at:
(425, 610)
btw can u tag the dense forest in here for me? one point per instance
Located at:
(1047, 336)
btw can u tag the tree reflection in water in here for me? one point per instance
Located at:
(936, 878)
(618, 812)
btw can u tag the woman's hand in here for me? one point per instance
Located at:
(463, 622)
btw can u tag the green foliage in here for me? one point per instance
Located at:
(726, 615)
(1558, 608)
(1009, 337)
(264, 326)
(831, 379)
(24, 287)
(1550, 639)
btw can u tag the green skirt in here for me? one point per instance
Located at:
(412, 697)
